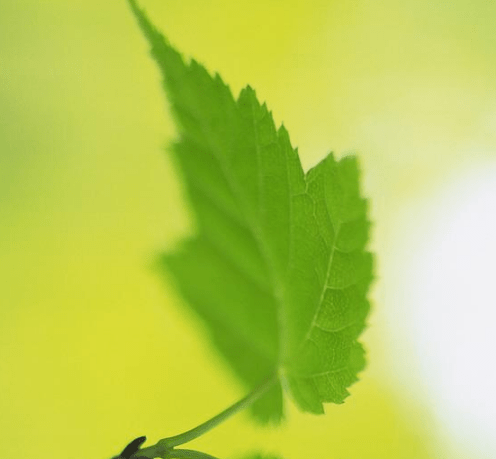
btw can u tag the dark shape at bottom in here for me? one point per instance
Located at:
(132, 448)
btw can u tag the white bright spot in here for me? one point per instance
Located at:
(449, 309)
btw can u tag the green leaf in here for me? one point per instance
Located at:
(278, 269)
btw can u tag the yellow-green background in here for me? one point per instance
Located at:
(94, 346)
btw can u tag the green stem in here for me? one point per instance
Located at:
(164, 447)
(221, 417)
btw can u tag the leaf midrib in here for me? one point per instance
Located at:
(277, 289)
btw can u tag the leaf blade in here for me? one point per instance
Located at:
(278, 270)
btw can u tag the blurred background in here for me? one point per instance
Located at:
(95, 348)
